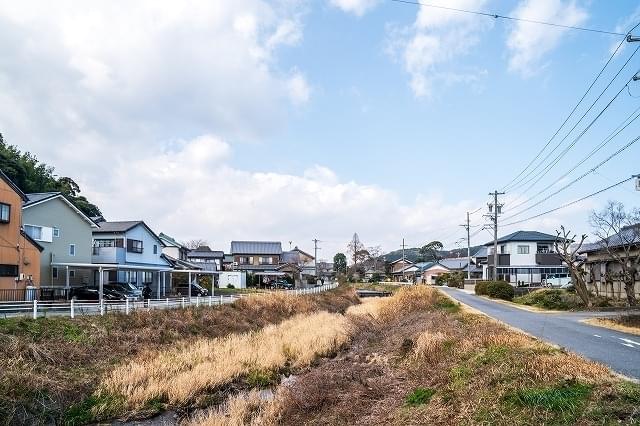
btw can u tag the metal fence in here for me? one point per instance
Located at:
(29, 294)
(42, 308)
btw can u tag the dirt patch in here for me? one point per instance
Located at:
(626, 324)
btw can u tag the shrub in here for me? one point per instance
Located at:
(481, 288)
(231, 286)
(549, 299)
(500, 290)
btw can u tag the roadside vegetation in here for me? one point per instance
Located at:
(50, 368)
(495, 289)
(629, 323)
(418, 358)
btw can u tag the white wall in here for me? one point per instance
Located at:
(237, 279)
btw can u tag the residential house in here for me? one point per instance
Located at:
(431, 270)
(64, 232)
(19, 253)
(325, 270)
(400, 269)
(207, 259)
(259, 258)
(299, 264)
(173, 248)
(135, 252)
(603, 271)
(525, 257)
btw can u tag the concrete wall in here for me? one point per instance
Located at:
(73, 230)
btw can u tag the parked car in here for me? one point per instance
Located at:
(128, 289)
(93, 293)
(282, 284)
(196, 290)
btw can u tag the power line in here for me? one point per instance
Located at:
(608, 139)
(510, 18)
(571, 203)
(523, 181)
(613, 54)
(578, 178)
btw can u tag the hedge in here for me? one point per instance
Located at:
(496, 289)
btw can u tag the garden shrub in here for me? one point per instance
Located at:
(500, 290)
(481, 288)
(549, 299)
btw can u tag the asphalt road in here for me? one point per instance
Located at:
(620, 351)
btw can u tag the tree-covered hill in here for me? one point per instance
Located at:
(24, 169)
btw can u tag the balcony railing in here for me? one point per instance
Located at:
(108, 255)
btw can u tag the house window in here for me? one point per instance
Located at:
(5, 213)
(56, 232)
(543, 248)
(34, 232)
(245, 260)
(72, 273)
(502, 249)
(523, 249)
(117, 242)
(147, 277)
(8, 270)
(134, 246)
(266, 260)
(72, 249)
(54, 273)
(155, 249)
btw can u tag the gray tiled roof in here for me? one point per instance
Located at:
(116, 227)
(629, 235)
(529, 236)
(457, 263)
(205, 252)
(481, 252)
(256, 247)
(170, 240)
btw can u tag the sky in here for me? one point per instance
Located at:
(295, 119)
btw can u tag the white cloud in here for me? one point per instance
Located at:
(299, 90)
(357, 7)
(191, 190)
(438, 37)
(528, 43)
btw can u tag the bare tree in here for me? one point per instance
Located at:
(195, 243)
(374, 255)
(619, 234)
(567, 252)
(355, 248)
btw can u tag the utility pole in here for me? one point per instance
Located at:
(315, 256)
(403, 262)
(467, 226)
(497, 208)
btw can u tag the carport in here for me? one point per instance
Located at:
(196, 272)
(103, 267)
(270, 274)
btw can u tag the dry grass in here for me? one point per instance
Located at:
(627, 324)
(247, 408)
(178, 375)
(49, 365)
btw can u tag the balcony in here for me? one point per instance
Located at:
(503, 259)
(108, 255)
(548, 259)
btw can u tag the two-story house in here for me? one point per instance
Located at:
(19, 253)
(525, 257)
(256, 255)
(65, 234)
(206, 259)
(135, 252)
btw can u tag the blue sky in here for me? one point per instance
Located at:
(291, 120)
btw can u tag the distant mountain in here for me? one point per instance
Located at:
(412, 254)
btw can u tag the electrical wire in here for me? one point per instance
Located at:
(509, 18)
(608, 139)
(570, 203)
(525, 181)
(613, 54)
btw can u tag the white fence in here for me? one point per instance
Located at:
(35, 309)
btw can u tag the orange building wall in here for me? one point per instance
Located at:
(14, 248)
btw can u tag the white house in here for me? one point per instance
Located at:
(525, 257)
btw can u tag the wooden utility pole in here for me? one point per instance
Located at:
(315, 255)
(403, 261)
(467, 226)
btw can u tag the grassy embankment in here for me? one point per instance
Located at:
(51, 369)
(417, 358)
(562, 300)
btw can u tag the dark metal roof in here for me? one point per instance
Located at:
(36, 197)
(205, 252)
(457, 263)
(179, 264)
(116, 227)
(13, 186)
(256, 247)
(170, 240)
(528, 236)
